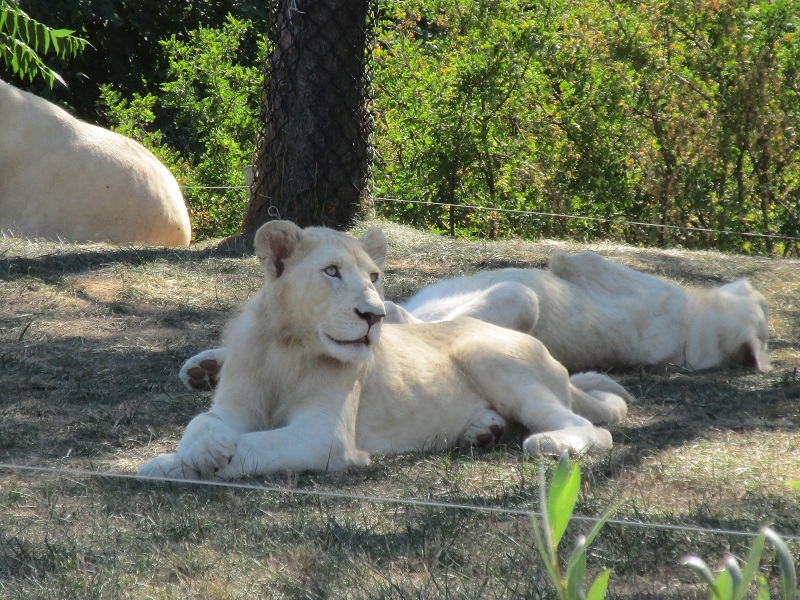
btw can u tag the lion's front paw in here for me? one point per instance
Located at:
(201, 371)
(167, 466)
(208, 445)
(484, 431)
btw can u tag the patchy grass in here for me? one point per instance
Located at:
(92, 337)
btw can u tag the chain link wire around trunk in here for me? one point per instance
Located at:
(314, 152)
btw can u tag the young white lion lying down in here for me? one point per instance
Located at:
(315, 380)
(590, 313)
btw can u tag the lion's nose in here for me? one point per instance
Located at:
(370, 317)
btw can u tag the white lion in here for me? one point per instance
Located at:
(315, 380)
(590, 313)
(61, 178)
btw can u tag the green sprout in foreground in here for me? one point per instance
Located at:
(733, 582)
(557, 505)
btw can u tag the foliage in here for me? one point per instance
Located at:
(682, 114)
(125, 35)
(557, 505)
(211, 103)
(733, 581)
(24, 40)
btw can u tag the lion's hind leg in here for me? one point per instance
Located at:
(514, 390)
(519, 379)
(599, 398)
(591, 271)
(506, 304)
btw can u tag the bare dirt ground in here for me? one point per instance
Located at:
(92, 337)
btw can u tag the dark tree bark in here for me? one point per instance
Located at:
(313, 157)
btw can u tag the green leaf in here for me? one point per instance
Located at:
(576, 570)
(61, 33)
(13, 24)
(724, 586)
(701, 568)
(751, 565)
(548, 560)
(602, 521)
(545, 509)
(763, 588)
(42, 39)
(735, 573)
(788, 573)
(564, 488)
(30, 33)
(599, 587)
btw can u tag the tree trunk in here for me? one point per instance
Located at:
(313, 157)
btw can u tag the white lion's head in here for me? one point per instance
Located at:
(325, 288)
(749, 308)
(730, 327)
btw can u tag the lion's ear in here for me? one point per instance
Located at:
(740, 287)
(275, 242)
(374, 243)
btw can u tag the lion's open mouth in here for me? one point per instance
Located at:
(360, 341)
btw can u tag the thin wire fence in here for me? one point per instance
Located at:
(340, 495)
(615, 221)
(490, 210)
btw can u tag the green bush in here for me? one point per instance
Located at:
(679, 114)
(207, 129)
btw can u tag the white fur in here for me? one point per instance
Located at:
(314, 380)
(592, 313)
(61, 178)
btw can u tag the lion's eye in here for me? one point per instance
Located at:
(374, 277)
(331, 271)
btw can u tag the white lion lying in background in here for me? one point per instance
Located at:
(61, 178)
(315, 380)
(590, 313)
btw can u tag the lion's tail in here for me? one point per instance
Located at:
(599, 398)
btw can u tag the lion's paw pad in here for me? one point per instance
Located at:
(485, 431)
(201, 372)
(204, 376)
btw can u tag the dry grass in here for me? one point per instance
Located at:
(91, 338)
